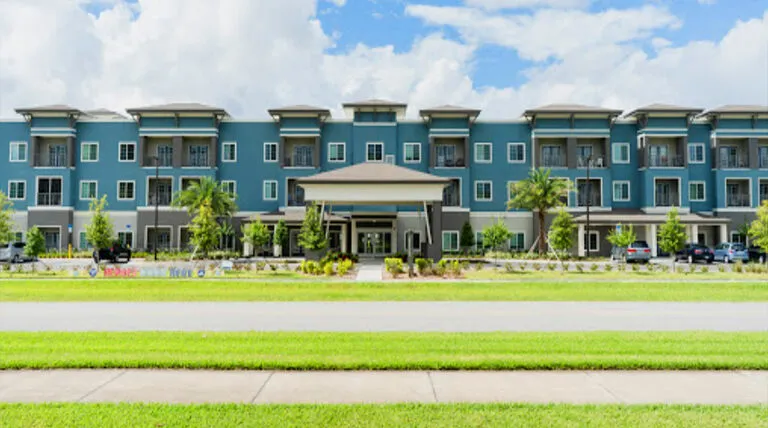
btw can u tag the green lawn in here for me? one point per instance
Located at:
(527, 288)
(386, 351)
(393, 415)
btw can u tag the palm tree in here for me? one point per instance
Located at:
(206, 189)
(539, 193)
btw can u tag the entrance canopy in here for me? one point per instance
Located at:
(374, 184)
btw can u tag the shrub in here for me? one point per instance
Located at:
(650, 267)
(394, 266)
(345, 266)
(456, 268)
(566, 267)
(551, 266)
(705, 269)
(594, 267)
(521, 266)
(310, 267)
(738, 267)
(679, 269)
(328, 269)
(509, 267)
(441, 268)
(635, 268)
(608, 267)
(260, 266)
(536, 267)
(424, 266)
(721, 268)
(580, 267)
(272, 267)
(478, 266)
(692, 268)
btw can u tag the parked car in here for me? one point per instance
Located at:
(113, 253)
(757, 254)
(696, 253)
(13, 253)
(727, 252)
(638, 251)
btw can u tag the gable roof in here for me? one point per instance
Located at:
(570, 108)
(449, 109)
(53, 108)
(298, 109)
(373, 172)
(737, 109)
(102, 112)
(177, 108)
(664, 108)
(375, 102)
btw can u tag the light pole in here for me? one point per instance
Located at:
(589, 202)
(157, 204)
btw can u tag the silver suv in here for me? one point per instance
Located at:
(13, 253)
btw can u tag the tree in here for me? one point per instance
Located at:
(672, 235)
(623, 238)
(255, 234)
(6, 221)
(561, 232)
(759, 228)
(467, 237)
(205, 229)
(227, 231)
(311, 236)
(206, 191)
(100, 232)
(744, 231)
(35, 243)
(495, 235)
(539, 193)
(281, 234)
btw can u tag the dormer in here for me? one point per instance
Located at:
(449, 117)
(739, 136)
(300, 120)
(375, 111)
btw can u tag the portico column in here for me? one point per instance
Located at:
(343, 238)
(354, 236)
(580, 249)
(654, 245)
(695, 234)
(723, 234)
(393, 239)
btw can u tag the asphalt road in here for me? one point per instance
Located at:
(384, 316)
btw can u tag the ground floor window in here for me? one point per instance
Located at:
(592, 241)
(517, 242)
(83, 243)
(450, 240)
(52, 239)
(416, 241)
(738, 238)
(479, 245)
(163, 238)
(125, 239)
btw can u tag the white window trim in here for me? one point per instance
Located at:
(80, 190)
(703, 153)
(479, 242)
(127, 232)
(383, 155)
(264, 190)
(517, 232)
(615, 152)
(405, 152)
(277, 153)
(234, 186)
(82, 152)
(704, 187)
(490, 184)
(18, 144)
(234, 150)
(48, 177)
(417, 244)
(597, 241)
(734, 233)
(452, 232)
(629, 191)
(490, 152)
(118, 190)
(119, 151)
(509, 152)
(25, 190)
(343, 159)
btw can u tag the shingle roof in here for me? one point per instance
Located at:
(738, 109)
(177, 107)
(373, 172)
(571, 108)
(664, 108)
(375, 103)
(53, 108)
(448, 108)
(300, 108)
(101, 112)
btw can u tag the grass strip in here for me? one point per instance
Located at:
(387, 351)
(243, 290)
(390, 415)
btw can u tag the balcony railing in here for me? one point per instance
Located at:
(59, 160)
(763, 162)
(737, 200)
(450, 163)
(734, 162)
(671, 200)
(161, 199)
(594, 200)
(165, 161)
(596, 162)
(553, 161)
(200, 161)
(299, 162)
(49, 199)
(665, 161)
(294, 201)
(451, 199)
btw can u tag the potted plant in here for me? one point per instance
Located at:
(311, 237)
(279, 238)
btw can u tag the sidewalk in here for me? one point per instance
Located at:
(577, 387)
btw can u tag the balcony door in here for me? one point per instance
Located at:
(57, 155)
(552, 156)
(165, 155)
(664, 194)
(446, 155)
(729, 157)
(49, 191)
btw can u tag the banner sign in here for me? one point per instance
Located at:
(146, 272)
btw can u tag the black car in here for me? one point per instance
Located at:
(756, 254)
(115, 252)
(696, 253)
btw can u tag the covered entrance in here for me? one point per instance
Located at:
(374, 243)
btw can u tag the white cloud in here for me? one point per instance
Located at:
(528, 4)
(338, 3)
(707, 1)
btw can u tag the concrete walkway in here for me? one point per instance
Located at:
(175, 386)
(383, 316)
(370, 270)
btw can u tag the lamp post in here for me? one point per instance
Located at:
(157, 204)
(589, 202)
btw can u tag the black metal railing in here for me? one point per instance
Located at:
(52, 160)
(593, 199)
(671, 200)
(165, 161)
(160, 199)
(594, 162)
(737, 200)
(49, 199)
(665, 160)
(553, 161)
(734, 162)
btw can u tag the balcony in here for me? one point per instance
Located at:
(452, 195)
(733, 153)
(300, 160)
(295, 194)
(553, 161)
(588, 193)
(737, 161)
(594, 162)
(197, 152)
(450, 153)
(160, 199)
(49, 199)
(164, 161)
(666, 193)
(737, 200)
(667, 200)
(54, 160)
(665, 161)
(301, 152)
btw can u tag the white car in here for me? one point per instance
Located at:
(13, 252)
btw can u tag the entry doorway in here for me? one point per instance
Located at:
(374, 243)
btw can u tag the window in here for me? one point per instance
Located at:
(374, 152)
(450, 240)
(483, 153)
(517, 241)
(165, 155)
(621, 191)
(479, 245)
(18, 151)
(416, 241)
(270, 190)
(88, 190)
(17, 190)
(337, 152)
(198, 155)
(696, 153)
(592, 241)
(229, 186)
(697, 191)
(621, 153)
(89, 152)
(125, 238)
(270, 152)
(83, 243)
(126, 190)
(412, 153)
(229, 152)
(483, 191)
(126, 152)
(516, 152)
(303, 156)
(737, 238)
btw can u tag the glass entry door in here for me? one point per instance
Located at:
(374, 243)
